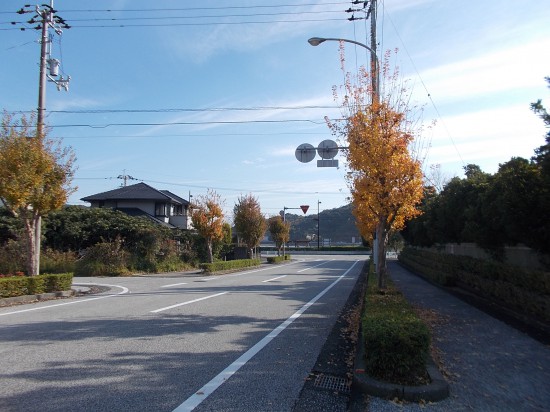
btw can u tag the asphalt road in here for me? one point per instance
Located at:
(244, 341)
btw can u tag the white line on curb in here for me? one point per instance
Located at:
(124, 290)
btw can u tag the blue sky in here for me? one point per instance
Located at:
(195, 95)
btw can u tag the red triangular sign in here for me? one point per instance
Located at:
(304, 208)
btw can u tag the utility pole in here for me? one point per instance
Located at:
(371, 12)
(45, 18)
(125, 177)
(373, 59)
(378, 235)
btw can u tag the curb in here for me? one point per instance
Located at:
(34, 298)
(435, 391)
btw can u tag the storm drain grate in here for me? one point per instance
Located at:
(334, 383)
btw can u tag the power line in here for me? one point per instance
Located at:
(427, 92)
(188, 135)
(224, 16)
(199, 110)
(97, 19)
(228, 189)
(221, 122)
(259, 6)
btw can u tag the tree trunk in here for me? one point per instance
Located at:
(209, 251)
(381, 269)
(37, 243)
(31, 231)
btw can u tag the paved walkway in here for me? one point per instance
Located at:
(490, 365)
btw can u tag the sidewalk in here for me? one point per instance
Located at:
(490, 365)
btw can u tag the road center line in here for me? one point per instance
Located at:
(311, 267)
(187, 303)
(199, 396)
(269, 280)
(242, 273)
(174, 284)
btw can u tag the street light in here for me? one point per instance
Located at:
(316, 41)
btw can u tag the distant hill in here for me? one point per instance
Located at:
(338, 225)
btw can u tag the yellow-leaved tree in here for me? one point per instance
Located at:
(208, 219)
(280, 231)
(249, 221)
(383, 135)
(35, 178)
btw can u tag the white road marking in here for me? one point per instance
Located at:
(269, 280)
(124, 290)
(187, 303)
(199, 396)
(174, 284)
(311, 267)
(209, 278)
(242, 273)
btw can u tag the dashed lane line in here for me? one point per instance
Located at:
(311, 267)
(174, 284)
(188, 302)
(272, 279)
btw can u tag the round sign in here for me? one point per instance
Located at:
(327, 149)
(305, 153)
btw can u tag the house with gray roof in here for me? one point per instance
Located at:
(160, 206)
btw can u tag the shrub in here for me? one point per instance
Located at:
(13, 286)
(523, 290)
(53, 261)
(36, 284)
(21, 285)
(12, 256)
(396, 341)
(104, 259)
(229, 265)
(277, 259)
(58, 282)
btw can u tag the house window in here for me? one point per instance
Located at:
(178, 210)
(160, 209)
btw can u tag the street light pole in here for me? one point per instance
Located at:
(378, 237)
(318, 227)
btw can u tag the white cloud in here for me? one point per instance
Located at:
(504, 70)
(487, 137)
(204, 42)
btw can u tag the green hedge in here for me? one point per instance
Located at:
(19, 286)
(229, 265)
(523, 290)
(13, 286)
(396, 341)
(277, 259)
